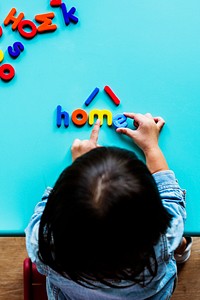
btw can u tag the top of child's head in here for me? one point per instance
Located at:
(102, 218)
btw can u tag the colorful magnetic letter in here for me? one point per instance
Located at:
(16, 49)
(1, 31)
(46, 23)
(12, 19)
(69, 15)
(1, 56)
(100, 114)
(115, 99)
(91, 97)
(27, 23)
(79, 117)
(7, 72)
(55, 3)
(119, 121)
(62, 115)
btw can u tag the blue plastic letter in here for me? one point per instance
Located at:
(119, 121)
(91, 97)
(69, 15)
(16, 50)
(62, 115)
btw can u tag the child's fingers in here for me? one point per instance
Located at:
(135, 124)
(95, 132)
(126, 131)
(76, 143)
(138, 118)
(148, 115)
(130, 115)
(160, 122)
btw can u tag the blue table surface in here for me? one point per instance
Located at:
(146, 51)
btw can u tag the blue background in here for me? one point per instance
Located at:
(146, 51)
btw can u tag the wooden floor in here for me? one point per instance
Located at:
(13, 252)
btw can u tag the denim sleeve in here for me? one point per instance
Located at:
(32, 229)
(173, 199)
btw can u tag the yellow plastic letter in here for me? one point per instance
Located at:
(1, 56)
(100, 115)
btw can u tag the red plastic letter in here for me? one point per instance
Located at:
(55, 3)
(25, 34)
(7, 72)
(114, 98)
(45, 20)
(11, 19)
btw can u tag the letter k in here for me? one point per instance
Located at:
(69, 15)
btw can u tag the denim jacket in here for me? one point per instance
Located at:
(160, 288)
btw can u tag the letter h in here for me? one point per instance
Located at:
(62, 115)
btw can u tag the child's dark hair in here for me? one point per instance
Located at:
(102, 219)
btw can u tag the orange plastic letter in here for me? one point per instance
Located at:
(79, 117)
(45, 20)
(11, 19)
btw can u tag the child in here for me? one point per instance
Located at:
(110, 226)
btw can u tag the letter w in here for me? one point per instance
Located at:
(46, 23)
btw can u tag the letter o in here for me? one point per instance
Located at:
(79, 117)
(25, 34)
(7, 72)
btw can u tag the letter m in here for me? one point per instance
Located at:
(100, 115)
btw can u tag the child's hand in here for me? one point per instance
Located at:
(146, 138)
(147, 132)
(81, 147)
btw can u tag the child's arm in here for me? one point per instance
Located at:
(81, 147)
(173, 197)
(146, 138)
(32, 229)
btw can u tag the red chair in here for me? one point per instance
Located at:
(34, 282)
